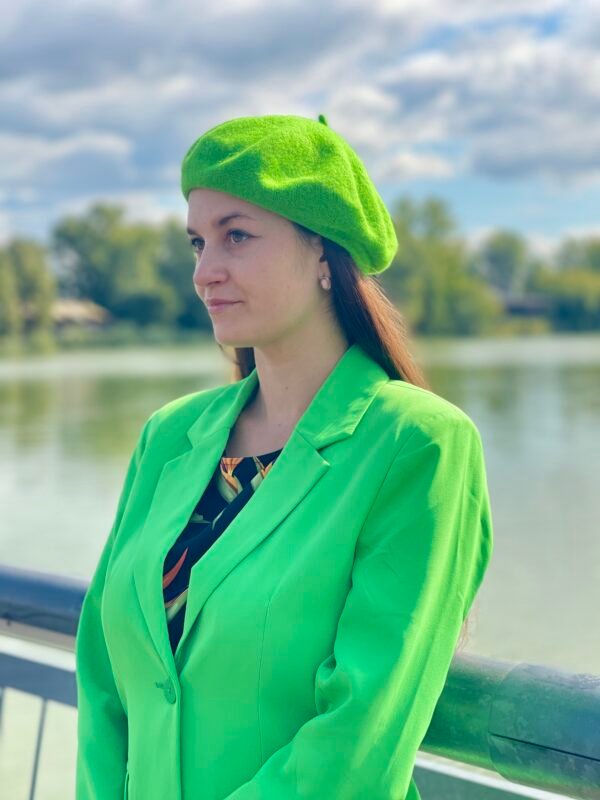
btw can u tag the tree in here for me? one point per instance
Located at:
(429, 278)
(503, 260)
(83, 248)
(583, 252)
(176, 268)
(35, 283)
(574, 295)
(11, 313)
(139, 293)
(105, 259)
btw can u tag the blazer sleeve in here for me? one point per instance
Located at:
(419, 560)
(101, 719)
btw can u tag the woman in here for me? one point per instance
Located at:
(275, 610)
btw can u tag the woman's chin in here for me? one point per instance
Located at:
(229, 339)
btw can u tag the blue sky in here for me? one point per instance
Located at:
(494, 106)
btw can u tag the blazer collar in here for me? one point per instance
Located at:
(332, 415)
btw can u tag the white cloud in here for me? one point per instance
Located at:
(406, 165)
(540, 244)
(582, 231)
(467, 11)
(104, 100)
(519, 105)
(138, 206)
(23, 157)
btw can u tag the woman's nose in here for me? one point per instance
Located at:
(207, 269)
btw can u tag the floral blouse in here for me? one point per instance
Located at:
(233, 483)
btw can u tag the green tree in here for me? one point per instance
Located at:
(578, 253)
(504, 261)
(35, 283)
(139, 293)
(83, 248)
(176, 268)
(429, 278)
(114, 263)
(11, 313)
(574, 296)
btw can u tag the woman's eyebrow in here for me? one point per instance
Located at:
(224, 220)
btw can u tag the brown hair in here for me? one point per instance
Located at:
(366, 315)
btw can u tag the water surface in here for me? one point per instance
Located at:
(68, 423)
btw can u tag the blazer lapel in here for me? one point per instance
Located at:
(332, 415)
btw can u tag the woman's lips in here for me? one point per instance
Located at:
(221, 306)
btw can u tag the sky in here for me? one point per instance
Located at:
(492, 106)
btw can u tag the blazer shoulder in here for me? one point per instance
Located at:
(410, 410)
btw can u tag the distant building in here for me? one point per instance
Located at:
(526, 305)
(71, 311)
(522, 305)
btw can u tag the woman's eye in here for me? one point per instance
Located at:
(196, 242)
(240, 232)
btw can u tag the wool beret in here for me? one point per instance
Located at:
(301, 169)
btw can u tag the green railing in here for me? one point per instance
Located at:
(527, 729)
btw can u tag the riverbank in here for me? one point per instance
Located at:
(127, 334)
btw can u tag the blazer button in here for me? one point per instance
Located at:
(168, 690)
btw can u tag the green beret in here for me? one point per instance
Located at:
(301, 169)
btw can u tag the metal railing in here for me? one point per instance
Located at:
(537, 727)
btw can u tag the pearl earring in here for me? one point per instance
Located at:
(325, 281)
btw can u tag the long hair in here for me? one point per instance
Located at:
(367, 316)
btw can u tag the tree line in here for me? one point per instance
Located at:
(140, 275)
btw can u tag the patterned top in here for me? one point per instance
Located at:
(233, 483)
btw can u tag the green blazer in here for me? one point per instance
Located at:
(319, 627)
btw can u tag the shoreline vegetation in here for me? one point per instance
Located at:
(124, 336)
(102, 281)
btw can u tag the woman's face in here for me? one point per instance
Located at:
(258, 261)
